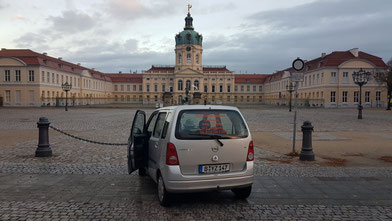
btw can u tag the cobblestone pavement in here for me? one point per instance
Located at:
(87, 181)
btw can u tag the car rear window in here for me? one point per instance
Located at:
(210, 124)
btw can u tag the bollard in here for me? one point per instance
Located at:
(43, 149)
(307, 151)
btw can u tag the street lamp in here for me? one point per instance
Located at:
(290, 88)
(360, 78)
(66, 87)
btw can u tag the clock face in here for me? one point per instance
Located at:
(188, 48)
(298, 64)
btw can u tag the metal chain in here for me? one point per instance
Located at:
(86, 140)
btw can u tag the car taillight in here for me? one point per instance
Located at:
(251, 152)
(171, 154)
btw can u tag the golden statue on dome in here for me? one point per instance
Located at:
(189, 8)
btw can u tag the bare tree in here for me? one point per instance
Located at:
(386, 78)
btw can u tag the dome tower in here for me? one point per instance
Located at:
(189, 46)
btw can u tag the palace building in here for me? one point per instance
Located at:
(28, 78)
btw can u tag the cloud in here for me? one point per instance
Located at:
(71, 22)
(136, 9)
(31, 40)
(270, 40)
(19, 17)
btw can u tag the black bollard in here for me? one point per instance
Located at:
(307, 151)
(43, 149)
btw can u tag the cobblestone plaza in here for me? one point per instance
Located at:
(83, 181)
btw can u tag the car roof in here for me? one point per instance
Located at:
(199, 107)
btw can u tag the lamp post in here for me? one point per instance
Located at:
(360, 78)
(66, 87)
(290, 88)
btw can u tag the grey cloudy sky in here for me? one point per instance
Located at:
(249, 36)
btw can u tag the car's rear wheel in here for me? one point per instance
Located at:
(163, 195)
(242, 193)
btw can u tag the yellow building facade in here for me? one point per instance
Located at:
(28, 78)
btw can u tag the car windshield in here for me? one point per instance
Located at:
(210, 124)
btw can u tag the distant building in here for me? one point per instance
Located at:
(328, 81)
(28, 78)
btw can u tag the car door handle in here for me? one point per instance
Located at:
(156, 146)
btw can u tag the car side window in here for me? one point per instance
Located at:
(151, 123)
(159, 125)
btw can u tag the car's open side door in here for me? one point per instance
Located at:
(136, 142)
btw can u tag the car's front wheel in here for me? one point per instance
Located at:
(163, 195)
(242, 193)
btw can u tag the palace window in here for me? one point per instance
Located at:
(333, 77)
(196, 83)
(228, 88)
(128, 87)
(235, 88)
(213, 88)
(322, 78)
(247, 88)
(54, 79)
(155, 87)
(134, 87)
(188, 85)
(7, 96)
(180, 59)
(140, 87)
(254, 88)
(220, 88)
(188, 58)
(48, 77)
(115, 88)
(205, 88)
(228, 98)
(197, 59)
(57, 78)
(378, 95)
(31, 75)
(242, 88)
(122, 87)
(17, 75)
(344, 96)
(148, 88)
(333, 96)
(180, 85)
(345, 78)
(367, 96)
(163, 88)
(260, 88)
(43, 77)
(356, 95)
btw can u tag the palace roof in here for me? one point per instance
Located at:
(126, 78)
(33, 58)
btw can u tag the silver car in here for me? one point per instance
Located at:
(193, 148)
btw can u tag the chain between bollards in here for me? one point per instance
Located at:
(44, 150)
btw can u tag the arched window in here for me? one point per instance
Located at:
(197, 59)
(188, 58)
(180, 85)
(196, 83)
(180, 59)
(188, 85)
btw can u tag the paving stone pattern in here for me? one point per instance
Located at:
(83, 181)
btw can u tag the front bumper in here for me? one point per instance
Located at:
(176, 182)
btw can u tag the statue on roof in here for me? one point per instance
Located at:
(189, 8)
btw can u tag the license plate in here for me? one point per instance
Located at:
(217, 168)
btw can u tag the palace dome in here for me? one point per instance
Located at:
(189, 35)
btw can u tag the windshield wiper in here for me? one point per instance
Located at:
(216, 137)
